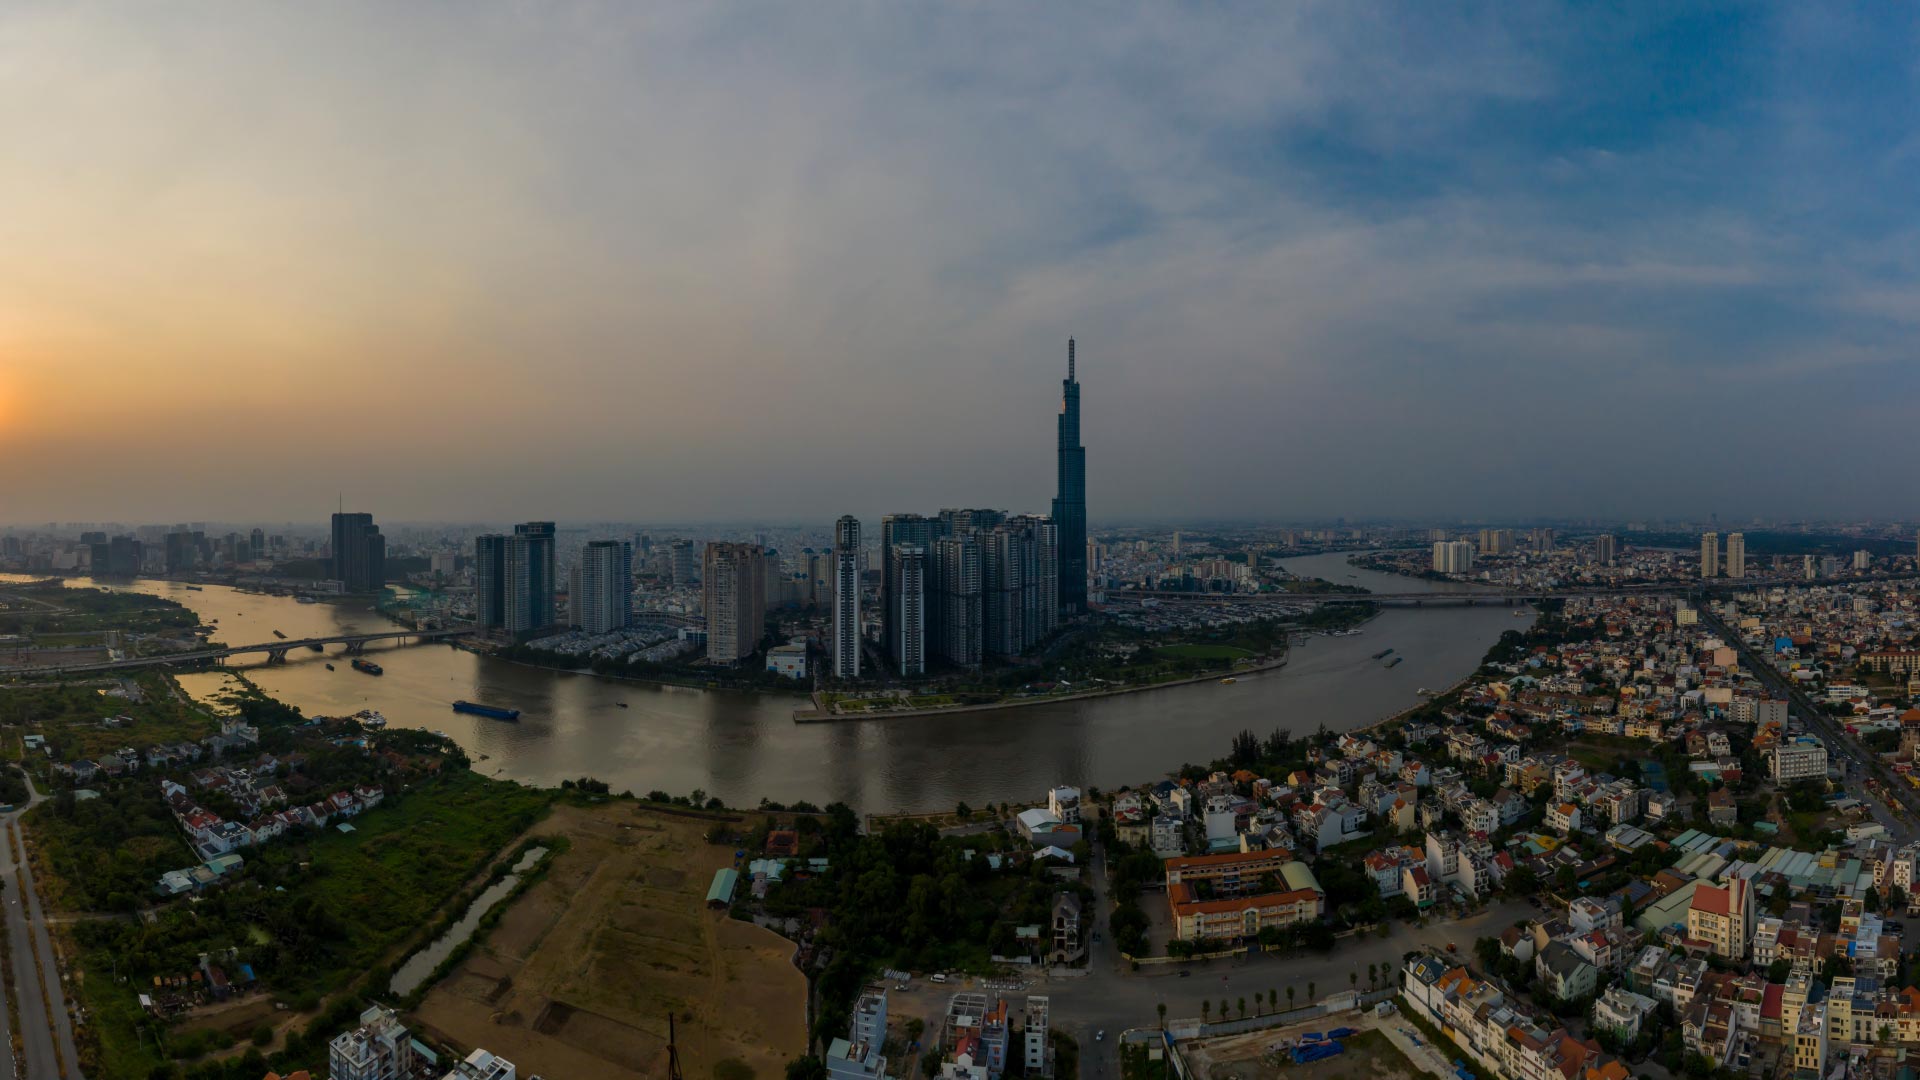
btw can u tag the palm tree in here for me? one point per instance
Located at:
(1373, 976)
(1223, 1008)
(1310, 993)
(1353, 979)
(1162, 1007)
(1273, 999)
(1206, 1010)
(1243, 1007)
(1289, 999)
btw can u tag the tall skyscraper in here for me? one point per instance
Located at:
(954, 599)
(1019, 584)
(896, 529)
(603, 602)
(1603, 549)
(680, 564)
(1736, 555)
(529, 585)
(907, 576)
(359, 553)
(1070, 506)
(257, 540)
(846, 598)
(735, 595)
(490, 580)
(1710, 555)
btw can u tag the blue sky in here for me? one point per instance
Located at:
(760, 260)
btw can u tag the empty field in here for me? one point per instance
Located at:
(579, 975)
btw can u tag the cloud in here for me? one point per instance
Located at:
(736, 261)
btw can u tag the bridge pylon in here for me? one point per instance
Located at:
(276, 656)
(355, 648)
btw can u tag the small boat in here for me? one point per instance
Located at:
(195, 588)
(490, 711)
(622, 704)
(279, 635)
(1381, 653)
(329, 667)
(368, 666)
(305, 600)
(1424, 690)
(1519, 614)
(442, 734)
(1395, 660)
(1229, 681)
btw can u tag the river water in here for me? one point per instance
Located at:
(745, 746)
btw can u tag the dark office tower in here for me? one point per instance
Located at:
(907, 622)
(99, 557)
(954, 610)
(359, 553)
(490, 580)
(846, 598)
(680, 563)
(1070, 507)
(123, 557)
(183, 553)
(529, 574)
(93, 536)
(897, 529)
(257, 541)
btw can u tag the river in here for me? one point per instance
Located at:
(745, 746)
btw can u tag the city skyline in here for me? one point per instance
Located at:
(1376, 268)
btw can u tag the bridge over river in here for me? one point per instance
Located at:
(276, 651)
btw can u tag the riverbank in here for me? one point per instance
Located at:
(815, 716)
(687, 684)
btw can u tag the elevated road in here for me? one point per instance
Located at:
(274, 650)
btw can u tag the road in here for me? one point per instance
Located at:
(1841, 747)
(46, 1029)
(1112, 998)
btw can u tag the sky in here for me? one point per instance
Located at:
(500, 261)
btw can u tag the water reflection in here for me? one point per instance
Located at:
(743, 747)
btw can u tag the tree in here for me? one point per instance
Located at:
(1162, 1010)
(963, 811)
(1353, 979)
(1206, 1010)
(1243, 1006)
(1310, 993)
(809, 1068)
(1373, 976)
(1289, 999)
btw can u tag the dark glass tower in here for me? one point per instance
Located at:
(1070, 506)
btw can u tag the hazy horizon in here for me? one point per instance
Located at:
(762, 263)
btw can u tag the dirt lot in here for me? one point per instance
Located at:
(1368, 1056)
(578, 977)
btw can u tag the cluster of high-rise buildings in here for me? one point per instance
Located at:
(513, 579)
(964, 585)
(1736, 561)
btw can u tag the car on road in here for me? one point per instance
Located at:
(1186, 974)
(1099, 1035)
(1451, 947)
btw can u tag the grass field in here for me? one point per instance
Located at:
(1202, 652)
(579, 975)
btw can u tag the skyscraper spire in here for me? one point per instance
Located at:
(1070, 505)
